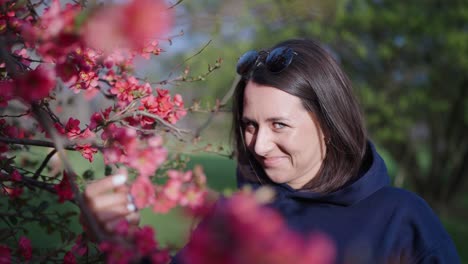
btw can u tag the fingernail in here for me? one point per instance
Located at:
(119, 179)
(131, 207)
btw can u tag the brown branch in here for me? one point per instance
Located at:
(13, 116)
(180, 64)
(176, 4)
(29, 182)
(44, 164)
(223, 102)
(163, 122)
(33, 142)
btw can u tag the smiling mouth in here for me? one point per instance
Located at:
(271, 161)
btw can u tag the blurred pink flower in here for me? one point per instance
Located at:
(87, 151)
(5, 255)
(36, 84)
(116, 253)
(69, 258)
(63, 189)
(144, 240)
(6, 92)
(80, 247)
(24, 247)
(240, 230)
(16, 176)
(130, 25)
(14, 192)
(143, 192)
(172, 189)
(162, 204)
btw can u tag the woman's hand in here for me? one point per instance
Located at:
(109, 200)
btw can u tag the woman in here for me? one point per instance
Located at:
(298, 128)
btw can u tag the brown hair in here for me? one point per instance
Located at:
(325, 91)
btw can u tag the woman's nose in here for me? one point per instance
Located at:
(263, 142)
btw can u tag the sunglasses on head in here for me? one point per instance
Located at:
(277, 60)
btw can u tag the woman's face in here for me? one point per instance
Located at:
(282, 135)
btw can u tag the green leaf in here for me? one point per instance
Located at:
(43, 206)
(88, 175)
(13, 220)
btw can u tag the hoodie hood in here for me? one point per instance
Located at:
(368, 182)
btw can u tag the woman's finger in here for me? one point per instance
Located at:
(117, 211)
(133, 219)
(104, 201)
(104, 185)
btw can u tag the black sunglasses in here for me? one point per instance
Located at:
(277, 60)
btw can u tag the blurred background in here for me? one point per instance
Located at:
(408, 61)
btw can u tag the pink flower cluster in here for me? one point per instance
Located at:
(71, 45)
(24, 250)
(239, 230)
(162, 105)
(131, 25)
(124, 146)
(182, 188)
(142, 245)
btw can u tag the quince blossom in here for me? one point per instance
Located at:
(24, 248)
(63, 189)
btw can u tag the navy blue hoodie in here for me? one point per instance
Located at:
(370, 221)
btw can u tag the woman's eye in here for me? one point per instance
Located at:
(249, 127)
(278, 125)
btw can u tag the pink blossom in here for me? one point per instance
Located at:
(98, 119)
(147, 160)
(162, 204)
(16, 176)
(6, 92)
(5, 255)
(116, 253)
(193, 197)
(72, 128)
(231, 233)
(127, 25)
(144, 240)
(14, 192)
(54, 35)
(36, 84)
(63, 189)
(180, 175)
(13, 131)
(80, 247)
(160, 257)
(172, 189)
(69, 258)
(86, 134)
(87, 151)
(122, 228)
(128, 89)
(143, 192)
(151, 48)
(24, 247)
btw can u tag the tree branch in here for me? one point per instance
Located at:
(33, 142)
(223, 102)
(44, 164)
